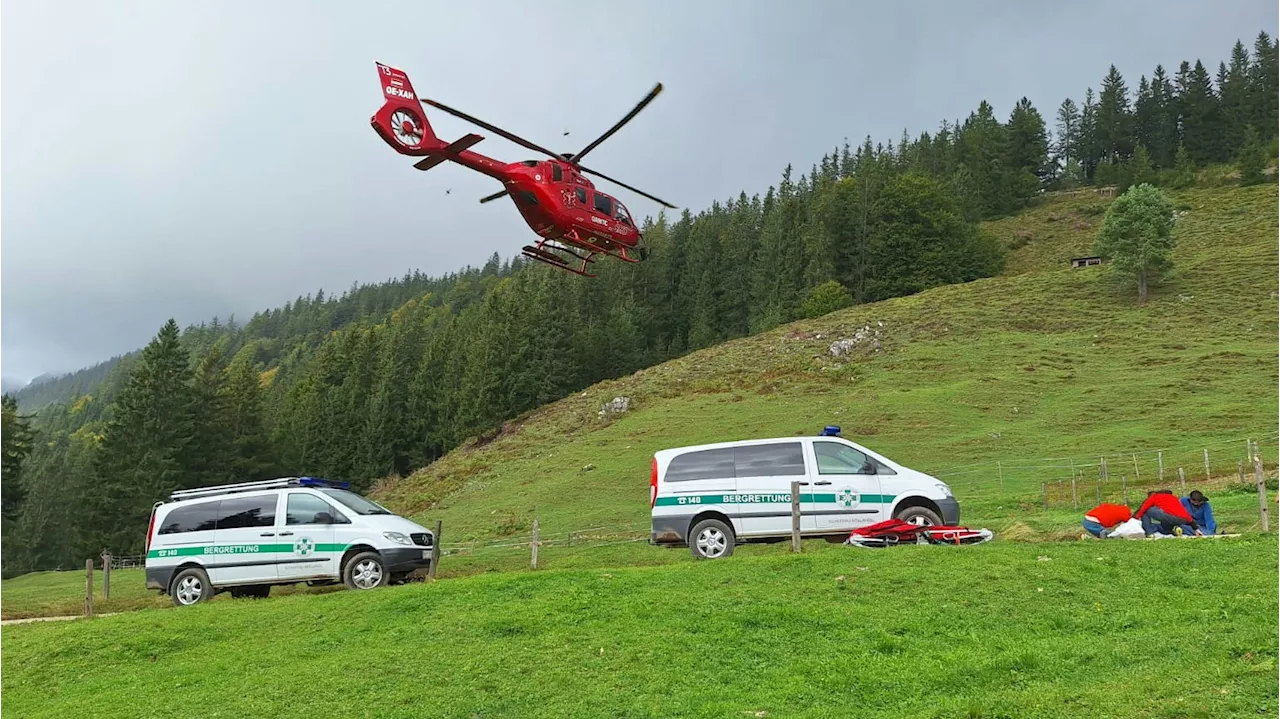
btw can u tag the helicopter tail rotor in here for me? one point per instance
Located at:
(401, 122)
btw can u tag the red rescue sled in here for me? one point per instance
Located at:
(896, 531)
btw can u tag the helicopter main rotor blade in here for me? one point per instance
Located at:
(629, 187)
(634, 111)
(491, 128)
(494, 196)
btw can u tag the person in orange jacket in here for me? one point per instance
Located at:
(1100, 520)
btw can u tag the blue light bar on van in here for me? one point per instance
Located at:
(317, 482)
(831, 430)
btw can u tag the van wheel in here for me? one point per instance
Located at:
(365, 571)
(191, 586)
(919, 516)
(711, 539)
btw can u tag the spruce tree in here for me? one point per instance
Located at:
(144, 444)
(1251, 158)
(16, 436)
(1262, 96)
(1067, 146)
(1114, 121)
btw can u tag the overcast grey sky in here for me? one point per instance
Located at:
(196, 159)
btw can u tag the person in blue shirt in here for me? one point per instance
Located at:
(1197, 505)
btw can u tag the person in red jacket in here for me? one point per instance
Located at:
(1100, 520)
(1162, 513)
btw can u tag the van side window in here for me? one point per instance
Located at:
(836, 458)
(604, 204)
(200, 517)
(310, 509)
(783, 459)
(240, 512)
(581, 193)
(557, 175)
(707, 464)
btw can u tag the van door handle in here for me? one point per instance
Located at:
(286, 534)
(267, 534)
(821, 483)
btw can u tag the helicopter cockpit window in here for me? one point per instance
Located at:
(604, 204)
(529, 163)
(581, 193)
(620, 213)
(557, 175)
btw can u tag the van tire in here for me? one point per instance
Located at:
(191, 586)
(711, 539)
(919, 515)
(365, 570)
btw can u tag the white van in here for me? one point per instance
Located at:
(245, 537)
(712, 496)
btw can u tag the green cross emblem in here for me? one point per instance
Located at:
(846, 498)
(303, 546)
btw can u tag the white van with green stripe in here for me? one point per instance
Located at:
(713, 496)
(244, 538)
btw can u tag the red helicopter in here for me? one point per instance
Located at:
(574, 221)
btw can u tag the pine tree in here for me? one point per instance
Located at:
(1066, 148)
(1201, 121)
(1090, 142)
(207, 459)
(1137, 235)
(16, 436)
(1184, 168)
(1163, 130)
(143, 446)
(1262, 96)
(1251, 158)
(252, 456)
(1114, 121)
(1234, 91)
(1028, 145)
(1140, 169)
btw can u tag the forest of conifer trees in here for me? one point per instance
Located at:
(387, 377)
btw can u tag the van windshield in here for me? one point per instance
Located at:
(355, 502)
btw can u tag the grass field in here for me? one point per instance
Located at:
(1178, 628)
(1047, 362)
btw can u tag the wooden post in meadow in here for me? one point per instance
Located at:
(88, 587)
(1102, 467)
(1075, 498)
(795, 516)
(1137, 476)
(435, 552)
(1097, 490)
(1160, 459)
(533, 546)
(1207, 475)
(1240, 470)
(106, 575)
(1261, 478)
(1000, 469)
(1182, 480)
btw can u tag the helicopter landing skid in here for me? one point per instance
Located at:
(550, 256)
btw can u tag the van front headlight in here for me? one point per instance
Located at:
(397, 537)
(946, 491)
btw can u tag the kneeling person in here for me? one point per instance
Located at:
(1162, 513)
(1103, 518)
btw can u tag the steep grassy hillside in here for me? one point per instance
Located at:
(997, 630)
(1047, 362)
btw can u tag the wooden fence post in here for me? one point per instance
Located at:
(435, 552)
(1160, 459)
(1124, 489)
(1240, 470)
(1182, 480)
(1102, 464)
(106, 575)
(533, 546)
(1097, 487)
(1075, 499)
(88, 587)
(1262, 489)
(1137, 476)
(1044, 494)
(795, 516)
(1000, 469)
(1207, 474)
